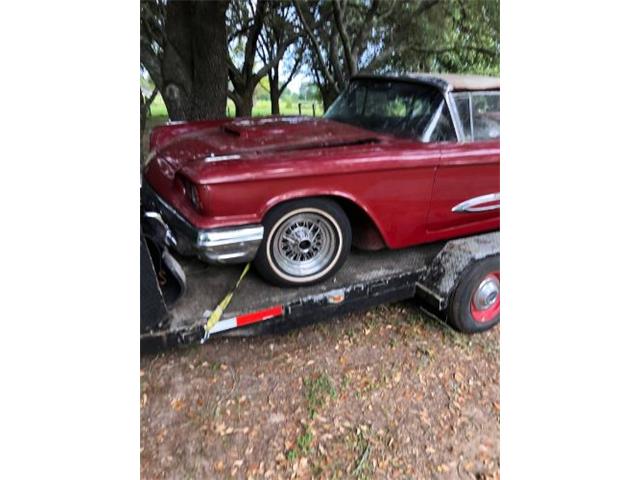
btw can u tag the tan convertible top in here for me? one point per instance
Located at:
(463, 82)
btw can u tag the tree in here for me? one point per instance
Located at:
(183, 46)
(280, 25)
(195, 65)
(454, 36)
(310, 91)
(377, 36)
(246, 24)
(341, 46)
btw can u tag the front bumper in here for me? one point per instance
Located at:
(217, 245)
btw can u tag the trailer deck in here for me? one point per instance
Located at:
(366, 279)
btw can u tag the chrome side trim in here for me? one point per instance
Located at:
(478, 204)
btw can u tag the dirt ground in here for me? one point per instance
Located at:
(388, 393)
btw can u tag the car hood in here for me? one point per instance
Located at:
(224, 140)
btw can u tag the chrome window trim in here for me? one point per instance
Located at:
(473, 136)
(470, 96)
(455, 116)
(426, 136)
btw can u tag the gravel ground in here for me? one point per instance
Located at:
(388, 393)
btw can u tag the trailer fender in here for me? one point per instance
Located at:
(444, 272)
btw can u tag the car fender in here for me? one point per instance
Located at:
(309, 193)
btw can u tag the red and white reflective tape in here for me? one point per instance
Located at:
(248, 319)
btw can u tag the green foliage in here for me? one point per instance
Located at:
(310, 92)
(303, 442)
(158, 108)
(262, 90)
(303, 445)
(456, 36)
(261, 108)
(317, 390)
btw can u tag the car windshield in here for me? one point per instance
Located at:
(395, 107)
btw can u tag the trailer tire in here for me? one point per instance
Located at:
(305, 241)
(474, 305)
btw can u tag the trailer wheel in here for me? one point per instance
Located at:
(475, 303)
(305, 242)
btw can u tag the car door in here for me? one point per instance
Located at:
(466, 190)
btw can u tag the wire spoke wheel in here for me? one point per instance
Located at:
(304, 244)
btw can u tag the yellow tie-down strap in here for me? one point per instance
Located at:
(216, 315)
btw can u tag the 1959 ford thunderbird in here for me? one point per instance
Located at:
(395, 161)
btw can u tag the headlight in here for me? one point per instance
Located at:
(192, 192)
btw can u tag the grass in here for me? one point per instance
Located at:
(303, 445)
(362, 467)
(261, 108)
(317, 391)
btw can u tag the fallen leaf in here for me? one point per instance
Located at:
(220, 428)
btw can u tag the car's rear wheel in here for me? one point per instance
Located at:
(475, 303)
(305, 242)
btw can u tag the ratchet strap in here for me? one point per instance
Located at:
(216, 315)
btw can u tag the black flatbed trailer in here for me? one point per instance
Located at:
(431, 272)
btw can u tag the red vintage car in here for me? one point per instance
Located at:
(394, 162)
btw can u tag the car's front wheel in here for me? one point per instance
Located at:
(305, 242)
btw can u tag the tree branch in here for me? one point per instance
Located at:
(316, 47)
(366, 26)
(234, 97)
(276, 59)
(338, 15)
(147, 102)
(426, 5)
(294, 70)
(252, 39)
(151, 63)
(439, 51)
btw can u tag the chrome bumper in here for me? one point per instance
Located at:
(217, 245)
(229, 245)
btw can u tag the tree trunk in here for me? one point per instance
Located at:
(274, 91)
(328, 96)
(210, 74)
(194, 66)
(244, 104)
